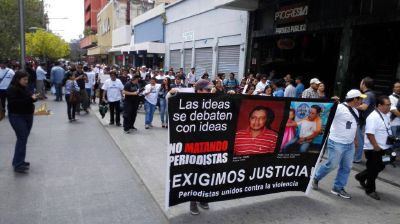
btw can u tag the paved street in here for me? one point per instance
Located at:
(78, 175)
(146, 151)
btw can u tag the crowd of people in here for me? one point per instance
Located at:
(364, 122)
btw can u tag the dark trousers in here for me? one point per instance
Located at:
(71, 108)
(84, 100)
(374, 166)
(58, 87)
(22, 125)
(130, 112)
(115, 109)
(3, 97)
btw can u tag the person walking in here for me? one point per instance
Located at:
(395, 109)
(299, 86)
(131, 91)
(113, 91)
(71, 88)
(191, 77)
(164, 89)
(365, 110)
(81, 78)
(40, 77)
(6, 76)
(377, 131)
(20, 114)
(150, 101)
(57, 74)
(90, 82)
(311, 92)
(341, 144)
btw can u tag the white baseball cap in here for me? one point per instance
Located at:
(315, 80)
(355, 93)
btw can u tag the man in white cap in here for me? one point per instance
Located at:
(311, 92)
(341, 144)
(143, 72)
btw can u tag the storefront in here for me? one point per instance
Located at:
(210, 39)
(338, 41)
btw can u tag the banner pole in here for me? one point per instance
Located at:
(316, 165)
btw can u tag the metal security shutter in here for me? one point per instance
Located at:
(203, 61)
(175, 59)
(228, 59)
(187, 60)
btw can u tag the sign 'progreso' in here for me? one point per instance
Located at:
(231, 146)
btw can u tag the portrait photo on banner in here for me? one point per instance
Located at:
(305, 127)
(258, 127)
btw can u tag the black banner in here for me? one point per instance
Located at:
(231, 146)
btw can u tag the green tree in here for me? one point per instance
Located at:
(9, 24)
(46, 45)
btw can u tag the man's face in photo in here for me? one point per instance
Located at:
(257, 120)
(313, 114)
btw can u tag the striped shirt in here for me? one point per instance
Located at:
(263, 143)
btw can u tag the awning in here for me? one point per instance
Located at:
(149, 47)
(96, 51)
(119, 49)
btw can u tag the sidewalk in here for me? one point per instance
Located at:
(78, 175)
(146, 151)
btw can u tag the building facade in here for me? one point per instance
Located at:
(338, 41)
(212, 40)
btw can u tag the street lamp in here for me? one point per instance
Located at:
(22, 32)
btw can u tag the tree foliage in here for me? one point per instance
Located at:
(9, 24)
(46, 45)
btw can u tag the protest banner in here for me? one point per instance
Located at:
(224, 147)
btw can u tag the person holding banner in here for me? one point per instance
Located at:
(201, 86)
(341, 144)
(258, 138)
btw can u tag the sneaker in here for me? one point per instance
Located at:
(362, 183)
(133, 128)
(147, 126)
(374, 195)
(194, 210)
(151, 125)
(341, 193)
(204, 205)
(314, 184)
(21, 169)
(118, 124)
(111, 123)
(127, 132)
(357, 161)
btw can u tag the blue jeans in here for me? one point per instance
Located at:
(22, 125)
(58, 87)
(359, 151)
(396, 132)
(163, 111)
(303, 147)
(338, 154)
(149, 109)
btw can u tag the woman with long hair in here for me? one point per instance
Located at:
(20, 115)
(71, 88)
(165, 88)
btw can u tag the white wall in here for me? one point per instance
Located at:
(212, 28)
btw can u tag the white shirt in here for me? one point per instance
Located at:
(307, 127)
(113, 89)
(191, 78)
(393, 101)
(91, 80)
(104, 77)
(40, 73)
(376, 126)
(260, 87)
(7, 75)
(344, 125)
(153, 90)
(290, 91)
(143, 75)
